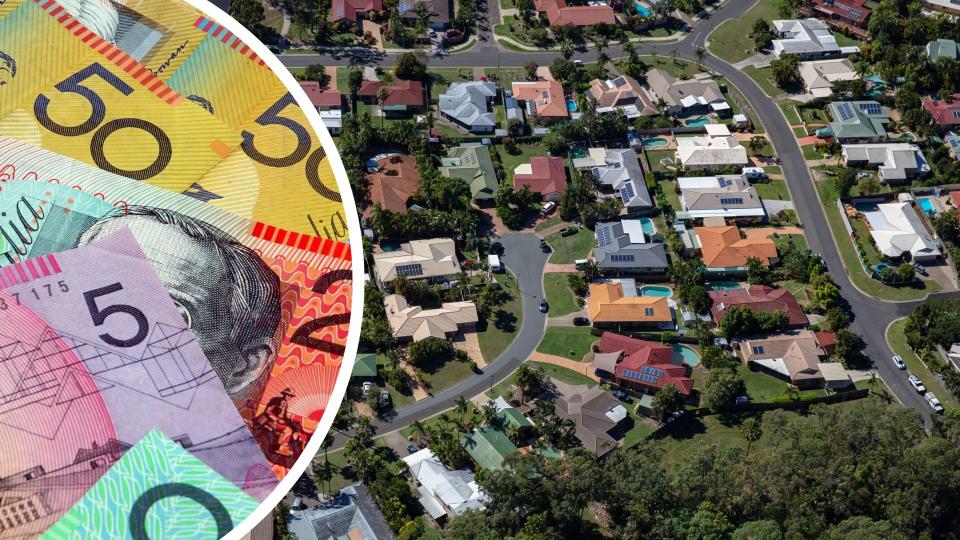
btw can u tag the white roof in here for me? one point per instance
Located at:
(804, 36)
(717, 130)
(711, 150)
(833, 371)
(456, 490)
(897, 229)
(894, 161)
(634, 229)
(616, 414)
(436, 257)
(819, 75)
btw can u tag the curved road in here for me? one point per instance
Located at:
(870, 316)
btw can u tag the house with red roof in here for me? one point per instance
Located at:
(945, 112)
(353, 10)
(329, 104)
(404, 97)
(644, 366)
(544, 175)
(850, 15)
(559, 13)
(758, 298)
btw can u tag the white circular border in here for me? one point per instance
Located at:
(356, 242)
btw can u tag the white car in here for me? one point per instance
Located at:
(547, 208)
(367, 386)
(897, 361)
(917, 383)
(934, 402)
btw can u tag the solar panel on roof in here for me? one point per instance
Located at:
(845, 111)
(725, 182)
(652, 371)
(626, 192)
(604, 237)
(410, 270)
(871, 108)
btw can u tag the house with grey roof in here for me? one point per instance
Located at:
(597, 416)
(808, 39)
(698, 94)
(618, 169)
(857, 122)
(896, 163)
(625, 249)
(470, 105)
(352, 514)
(471, 163)
(727, 196)
(513, 108)
(443, 492)
(943, 48)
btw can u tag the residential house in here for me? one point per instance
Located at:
(618, 170)
(443, 493)
(700, 94)
(848, 15)
(624, 94)
(597, 416)
(827, 340)
(644, 366)
(511, 418)
(439, 11)
(945, 112)
(898, 232)
(727, 196)
(413, 323)
(624, 249)
(896, 163)
(725, 251)
(943, 48)
(543, 99)
(819, 75)
(470, 105)
(329, 104)
(807, 38)
(717, 149)
(794, 356)
(835, 376)
(434, 260)
(393, 183)
(857, 121)
(402, 98)
(353, 11)
(951, 7)
(513, 109)
(352, 514)
(471, 162)
(544, 175)
(364, 367)
(607, 307)
(559, 13)
(488, 448)
(758, 298)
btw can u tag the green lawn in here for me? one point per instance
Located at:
(506, 75)
(448, 374)
(789, 108)
(761, 387)
(561, 298)
(547, 223)
(343, 76)
(810, 152)
(442, 78)
(680, 68)
(640, 430)
(498, 332)
(773, 189)
(862, 232)
(654, 157)
(731, 40)
(523, 155)
(844, 40)
(762, 77)
(898, 342)
(784, 240)
(852, 262)
(567, 249)
(563, 374)
(798, 290)
(444, 419)
(668, 188)
(343, 478)
(571, 342)
(503, 30)
(799, 132)
(400, 399)
(773, 169)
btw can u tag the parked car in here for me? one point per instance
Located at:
(547, 208)
(581, 321)
(897, 361)
(367, 386)
(544, 307)
(496, 248)
(569, 231)
(917, 383)
(934, 402)
(412, 449)
(920, 269)
(297, 505)
(621, 395)
(385, 399)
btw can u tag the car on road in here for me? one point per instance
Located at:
(547, 208)
(917, 383)
(897, 361)
(496, 248)
(412, 449)
(934, 402)
(581, 321)
(544, 307)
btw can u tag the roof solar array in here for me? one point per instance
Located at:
(604, 236)
(725, 182)
(652, 371)
(871, 108)
(410, 270)
(845, 111)
(627, 192)
(639, 376)
(622, 258)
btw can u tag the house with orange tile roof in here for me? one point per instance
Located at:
(353, 10)
(724, 251)
(607, 307)
(559, 13)
(404, 97)
(393, 183)
(623, 93)
(542, 99)
(544, 175)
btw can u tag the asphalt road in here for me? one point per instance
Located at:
(870, 316)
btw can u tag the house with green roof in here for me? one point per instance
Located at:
(512, 418)
(943, 48)
(365, 366)
(472, 164)
(857, 122)
(488, 448)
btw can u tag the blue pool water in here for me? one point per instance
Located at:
(927, 206)
(685, 355)
(648, 227)
(698, 122)
(571, 105)
(655, 142)
(655, 290)
(642, 10)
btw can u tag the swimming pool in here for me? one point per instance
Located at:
(577, 153)
(697, 122)
(685, 355)
(655, 290)
(648, 227)
(723, 286)
(642, 10)
(927, 205)
(571, 105)
(655, 142)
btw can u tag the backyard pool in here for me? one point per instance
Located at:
(642, 10)
(655, 290)
(927, 205)
(685, 355)
(698, 122)
(723, 286)
(648, 227)
(577, 153)
(655, 142)
(571, 105)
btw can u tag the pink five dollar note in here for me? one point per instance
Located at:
(95, 356)
(269, 307)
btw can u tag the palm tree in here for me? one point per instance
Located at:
(381, 99)
(326, 444)
(489, 414)
(567, 48)
(700, 52)
(419, 432)
(462, 406)
(364, 429)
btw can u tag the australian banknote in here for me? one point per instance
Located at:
(269, 307)
(95, 356)
(156, 490)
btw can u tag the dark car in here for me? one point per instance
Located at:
(496, 248)
(621, 395)
(545, 247)
(412, 449)
(581, 321)
(544, 307)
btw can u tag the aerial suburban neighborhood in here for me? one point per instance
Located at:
(641, 268)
